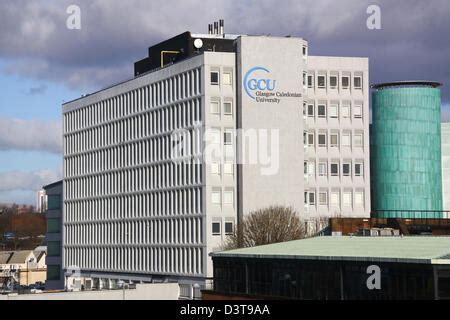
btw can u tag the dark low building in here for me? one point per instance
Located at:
(336, 268)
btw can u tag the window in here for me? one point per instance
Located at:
(333, 111)
(305, 79)
(334, 140)
(357, 111)
(359, 169)
(216, 228)
(322, 139)
(215, 168)
(310, 81)
(312, 198)
(321, 111)
(227, 108)
(215, 107)
(345, 111)
(54, 202)
(345, 82)
(227, 78)
(214, 136)
(311, 139)
(359, 140)
(53, 225)
(311, 110)
(333, 82)
(334, 169)
(311, 168)
(334, 198)
(214, 77)
(54, 248)
(228, 168)
(322, 169)
(228, 138)
(229, 228)
(323, 198)
(228, 197)
(359, 198)
(321, 81)
(216, 197)
(346, 169)
(53, 272)
(346, 141)
(357, 82)
(347, 198)
(304, 51)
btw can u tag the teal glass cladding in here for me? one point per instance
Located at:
(406, 152)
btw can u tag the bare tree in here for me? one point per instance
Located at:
(270, 225)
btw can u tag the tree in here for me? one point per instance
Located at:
(270, 225)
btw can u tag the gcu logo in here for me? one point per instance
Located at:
(252, 83)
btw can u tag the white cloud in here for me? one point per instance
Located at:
(33, 135)
(27, 181)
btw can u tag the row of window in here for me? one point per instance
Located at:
(227, 78)
(334, 169)
(225, 197)
(334, 198)
(216, 228)
(154, 204)
(187, 230)
(183, 260)
(143, 179)
(333, 110)
(334, 139)
(179, 87)
(334, 80)
(225, 108)
(155, 122)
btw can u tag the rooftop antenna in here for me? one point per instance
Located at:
(222, 26)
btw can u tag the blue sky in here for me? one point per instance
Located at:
(43, 63)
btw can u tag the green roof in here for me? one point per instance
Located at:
(418, 249)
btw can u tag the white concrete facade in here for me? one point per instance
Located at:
(132, 212)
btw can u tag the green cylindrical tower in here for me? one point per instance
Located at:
(406, 150)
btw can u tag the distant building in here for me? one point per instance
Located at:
(23, 267)
(41, 201)
(336, 268)
(55, 276)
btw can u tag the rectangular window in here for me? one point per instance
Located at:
(228, 138)
(322, 140)
(214, 136)
(311, 168)
(346, 169)
(54, 248)
(216, 197)
(215, 168)
(215, 107)
(359, 198)
(333, 111)
(334, 198)
(345, 82)
(357, 82)
(346, 141)
(334, 140)
(54, 202)
(312, 198)
(322, 169)
(323, 198)
(311, 139)
(227, 78)
(228, 168)
(347, 199)
(227, 108)
(229, 228)
(333, 82)
(310, 81)
(228, 197)
(321, 81)
(359, 169)
(345, 111)
(214, 77)
(53, 225)
(311, 110)
(216, 228)
(334, 169)
(357, 111)
(53, 272)
(359, 142)
(321, 111)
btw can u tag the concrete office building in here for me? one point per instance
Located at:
(135, 209)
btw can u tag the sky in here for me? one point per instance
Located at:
(43, 63)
